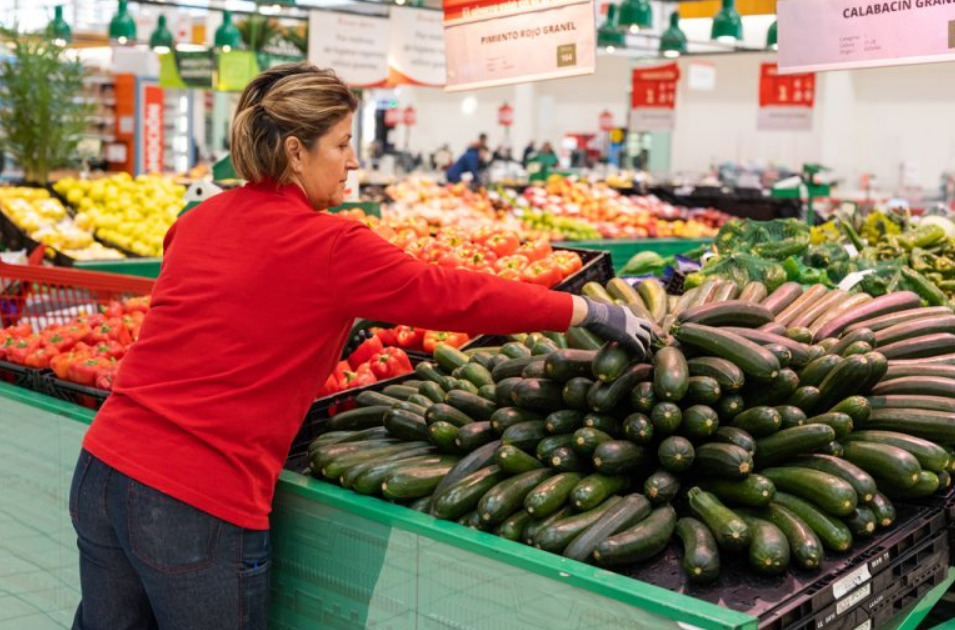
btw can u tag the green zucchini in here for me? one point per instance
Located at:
(644, 540)
(795, 353)
(538, 525)
(565, 459)
(841, 423)
(799, 333)
(806, 398)
(786, 444)
(784, 296)
(506, 497)
(671, 374)
(861, 522)
(604, 397)
(753, 491)
(544, 347)
(476, 373)
(654, 296)
(833, 448)
(724, 460)
(550, 495)
(661, 487)
(586, 440)
(920, 347)
(512, 367)
(666, 418)
(472, 520)
(514, 461)
(513, 527)
(845, 378)
(609, 362)
(582, 339)
(856, 407)
(449, 358)
(642, 397)
(701, 556)
(369, 398)
(931, 425)
(831, 531)
(927, 484)
(861, 481)
(462, 497)
(327, 452)
(534, 369)
(726, 373)
(887, 463)
(504, 389)
(618, 456)
(878, 366)
(628, 512)
(728, 407)
(471, 405)
(335, 467)
(564, 421)
(594, 489)
(676, 454)
(804, 544)
(829, 492)
(575, 392)
(775, 392)
(860, 334)
(420, 400)
(506, 417)
(638, 429)
(432, 391)
(916, 386)
(428, 371)
(791, 416)
(753, 359)
(358, 419)
(699, 422)
(816, 371)
(547, 446)
(515, 350)
(603, 422)
(736, 436)
(758, 421)
(555, 536)
(564, 365)
(441, 412)
(525, 435)
(414, 482)
(703, 390)
(443, 435)
(405, 405)
(539, 394)
(883, 509)
(728, 313)
(931, 456)
(729, 528)
(473, 461)
(421, 505)
(902, 369)
(406, 425)
(859, 347)
(474, 435)
(769, 549)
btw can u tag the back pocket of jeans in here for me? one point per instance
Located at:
(168, 535)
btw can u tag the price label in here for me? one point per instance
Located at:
(653, 97)
(848, 583)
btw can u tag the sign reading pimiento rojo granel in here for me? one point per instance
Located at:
(152, 120)
(500, 42)
(786, 101)
(835, 34)
(653, 97)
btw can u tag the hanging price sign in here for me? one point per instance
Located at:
(392, 117)
(605, 121)
(505, 115)
(410, 116)
(653, 98)
(786, 101)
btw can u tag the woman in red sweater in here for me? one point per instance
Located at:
(255, 300)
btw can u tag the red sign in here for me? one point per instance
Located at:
(410, 116)
(392, 116)
(152, 127)
(785, 90)
(606, 120)
(505, 115)
(655, 87)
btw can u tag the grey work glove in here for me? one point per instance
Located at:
(617, 323)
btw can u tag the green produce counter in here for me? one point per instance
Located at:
(622, 251)
(142, 267)
(341, 560)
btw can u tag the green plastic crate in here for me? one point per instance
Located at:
(622, 251)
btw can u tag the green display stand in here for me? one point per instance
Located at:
(142, 267)
(622, 251)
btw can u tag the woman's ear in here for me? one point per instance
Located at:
(294, 150)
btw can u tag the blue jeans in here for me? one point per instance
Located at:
(148, 560)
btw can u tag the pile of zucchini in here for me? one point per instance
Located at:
(764, 424)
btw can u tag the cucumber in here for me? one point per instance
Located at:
(462, 385)
(791, 416)
(406, 425)
(441, 412)
(727, 313)
(414, 482)
(628, 512)
(547, 446)
(783, 296)
(916, 386)
(661, 487)
(506, 417)
(654, 296)
(769, 549)
(671, 374)
(503, 391)
(644, 540)
(676, 454)
(775, 392)
(798, 352)
(829, 492)
(859, 347)
(506, 497)
(758, 421)
(358, 419)
(753, 359)
(701, 556)
(726, 291)
(729, 528)
(443, 436)
(931, 456)
(638, 429)
(369, 398)
(564, 365)
(887, 463)
(575, 391)
(944, 480)
(604, 397)
(753, 491)
(538, 394)
(920, 347)
(883, 509)
(513, 527)
(565, 459)
(861, 522)
(666, 418)
(883, 305)
(525, 435)
(482, 356)
(754, 291)
(728, 407)
(462, 497)
(550, 495)
(726, 373)
(899, 370)
(799, 333)
(724, 460)
(811, 313)
(475, 435)
(737, 437)
(878, 366)
(449, 358)
(555, 537)
(804, 544)
(471, 405)
(609, 362)
(812, 296)
(513, 461)
(699, 422)
(877, 324)
(586, 440)
(861, 334)
(841, 423)
(816, 371)
(618, 456)
(538, 525)
(843, 306)
(582, 339)
(703, 390)
(564, 421)
(534, 369)
(831, 531)
(593, 490)
(931, 425)
(861, 481)
(786, 444)
(642, 397)
(512, 367)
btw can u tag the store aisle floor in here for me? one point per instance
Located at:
(39, 577)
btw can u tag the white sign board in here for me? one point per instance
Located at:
(837, 34)
(354, 46)
(416, 55)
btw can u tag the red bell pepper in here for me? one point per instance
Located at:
(113, 309)
(535, 250)
(137, 304)
(360, 377)
(22, 348)
(409, 337)
(388, 336)
(503, 244)
(517, 262)
(111, 349)
(433, 337)
(567, 263)
(543, 272)
(41, 357)
(58, 339)
(19, 331)
(389, 363)
(364, 352)
(330, 387)
(104, 380)
(85, 371)
(510, 274)
(60, 364)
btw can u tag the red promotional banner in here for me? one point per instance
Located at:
(152, 126)
(410, 116)
(605, 120)
(505, 115)
(655, 87)
(393, 117)
(785, 90)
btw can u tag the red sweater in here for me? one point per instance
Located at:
(249, 316)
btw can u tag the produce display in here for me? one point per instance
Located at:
(45, 220)
(777, 425)
(134, 213)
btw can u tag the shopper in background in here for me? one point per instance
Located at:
(172, 492)
(529, 151)
(546, 156)
(474, 161)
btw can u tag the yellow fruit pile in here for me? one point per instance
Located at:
(44, 219)
(132, 213)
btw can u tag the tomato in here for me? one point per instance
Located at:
(535, 250)
(517, 262)
(567, 263)
(542, 272)
(503, 244)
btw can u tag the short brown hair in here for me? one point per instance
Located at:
(295, 99)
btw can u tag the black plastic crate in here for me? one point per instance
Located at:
(883, 607)
(82, 395)
(19, 375)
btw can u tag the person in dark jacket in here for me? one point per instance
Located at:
(473, 161)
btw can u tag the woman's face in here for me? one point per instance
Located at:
(321, 171)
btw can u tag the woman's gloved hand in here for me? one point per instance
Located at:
(617, 323)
